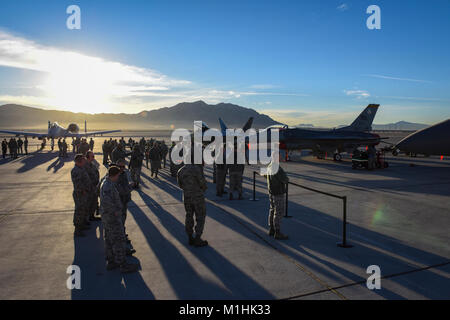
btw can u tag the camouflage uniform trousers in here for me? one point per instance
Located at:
(81, 212)
(115, 240)
(277, 210)
(124, 214)
(236, 182)
(155, 165)
(195, 205)
(135, 174)
(174, 169)
(105, 158)
(221, 177)
(93, 204)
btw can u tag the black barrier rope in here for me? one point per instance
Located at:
(342, 244)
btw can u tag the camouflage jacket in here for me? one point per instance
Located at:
(154, 154)
(80, 179)
(93, 173)
(276, 181)
(191, 180)
(136, 159)
(124, 187)
(118, 154)
(109, 198)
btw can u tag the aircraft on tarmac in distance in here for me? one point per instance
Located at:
(331, 141)
(55, 131)
(434, 140)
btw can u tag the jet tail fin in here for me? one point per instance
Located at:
(248, 124)
(223, 126)
(364, 120)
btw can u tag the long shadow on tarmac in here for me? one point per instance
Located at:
(315, 231)
(58, 163)
(33, 160)
(96, 281)
(183, 278)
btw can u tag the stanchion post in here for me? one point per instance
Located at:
(254, 187)
(287, 201)
(344, 243)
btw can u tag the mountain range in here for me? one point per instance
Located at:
(182, 115)
(400, 125)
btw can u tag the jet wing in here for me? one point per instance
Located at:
(94, 133)
(26, 134)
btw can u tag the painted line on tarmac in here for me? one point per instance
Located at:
(364, 281)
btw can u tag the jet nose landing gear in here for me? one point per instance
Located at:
(337, 157)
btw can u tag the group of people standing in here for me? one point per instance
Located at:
(15, 147)
(81, 145)
(114, 191)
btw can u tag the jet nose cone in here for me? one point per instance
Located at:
(404, 144)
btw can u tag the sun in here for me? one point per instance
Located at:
(80, 85)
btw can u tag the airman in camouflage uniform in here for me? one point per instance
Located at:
(94, 176)
(154, 154)
(124, 187)
(164, 151)
(276, 184)
(118, 153)
(136, 164)
(82, 187)
(193, 183)
(111, 211)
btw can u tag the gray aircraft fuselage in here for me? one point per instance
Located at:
(325, 140)
(434, 140)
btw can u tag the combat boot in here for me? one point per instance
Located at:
(271, 231)
(279, 236)
(129, 252)
(191, 240)
(128, 267)
(111, 265)
(198, 242)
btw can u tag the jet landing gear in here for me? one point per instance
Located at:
(337, 157)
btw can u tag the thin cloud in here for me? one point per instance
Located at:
(75, 81)
(379, 76)
(359, 94)
(263, 86)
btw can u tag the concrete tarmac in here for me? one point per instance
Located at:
(398, 219)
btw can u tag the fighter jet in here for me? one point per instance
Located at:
(434, 140)
(55, 131)
(334, 141)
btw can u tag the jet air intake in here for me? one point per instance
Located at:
(73, 128)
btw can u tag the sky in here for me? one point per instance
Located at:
(300, 62)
